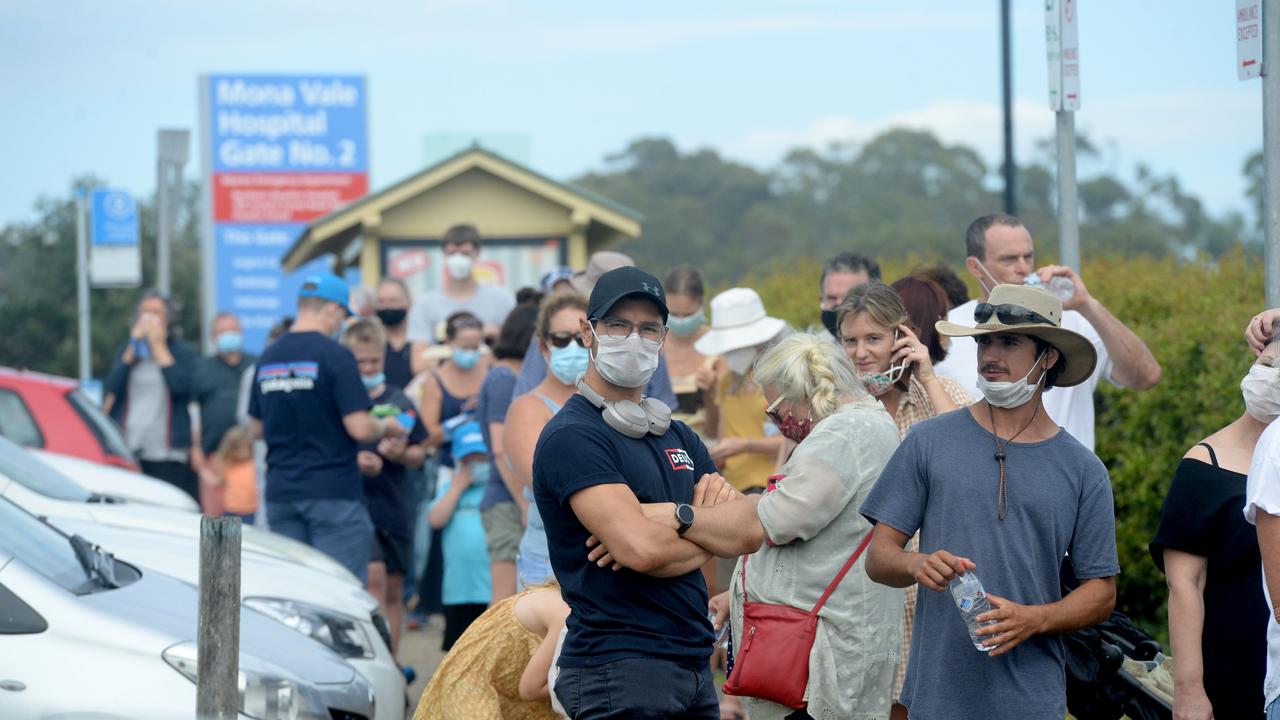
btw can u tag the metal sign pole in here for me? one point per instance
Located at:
(1068, 217)
(1271, 146)
(163, 282)
(82, 286)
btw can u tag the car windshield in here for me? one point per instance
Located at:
(40, 547)
(102, 427)
(37, 476)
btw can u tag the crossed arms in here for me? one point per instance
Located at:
(643, 537)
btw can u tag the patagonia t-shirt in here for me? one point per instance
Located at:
(305, 384)
(622, 614)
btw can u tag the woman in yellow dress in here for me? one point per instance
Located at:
(498, 669)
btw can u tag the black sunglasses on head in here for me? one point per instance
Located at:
(1009, 315)
(562, 339)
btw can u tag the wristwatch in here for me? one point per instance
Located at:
(684, 516)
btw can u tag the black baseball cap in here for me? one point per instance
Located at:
(625, 282)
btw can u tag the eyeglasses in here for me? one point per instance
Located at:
(562, 339)
(1010, 315)
(616, 327)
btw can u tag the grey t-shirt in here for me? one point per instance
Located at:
(490, 303)
(943, 482)
(146, 417)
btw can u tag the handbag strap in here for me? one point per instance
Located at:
(848, 565)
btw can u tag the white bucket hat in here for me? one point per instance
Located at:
(738, 321)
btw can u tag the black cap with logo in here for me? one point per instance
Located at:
(625, 282)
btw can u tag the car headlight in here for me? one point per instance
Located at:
(340, 633)
(266, 691)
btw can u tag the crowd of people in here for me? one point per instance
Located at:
(611, 494)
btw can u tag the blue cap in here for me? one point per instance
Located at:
(467, 440)
(326, 286)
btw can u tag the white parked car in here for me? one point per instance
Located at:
(339, 615)
(284, 579)
(41, 490)
(83, 635)
(117, 482)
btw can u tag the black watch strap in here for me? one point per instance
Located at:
(684, 515)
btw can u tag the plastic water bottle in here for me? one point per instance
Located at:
(972, 601)
(1060, 287)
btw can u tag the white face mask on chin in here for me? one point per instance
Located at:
(1009, 395)
(1261, 390)
(627, 362)
(740, 361)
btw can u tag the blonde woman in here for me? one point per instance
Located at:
(844, 438)
(894, 353)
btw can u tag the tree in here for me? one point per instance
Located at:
(38, 304)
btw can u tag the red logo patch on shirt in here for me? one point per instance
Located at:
(679, 459)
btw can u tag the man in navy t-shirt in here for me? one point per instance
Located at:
(310, 406)
(627, 498)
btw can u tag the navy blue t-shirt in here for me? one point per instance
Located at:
(622, 614)
(305, 384)
(387, 493)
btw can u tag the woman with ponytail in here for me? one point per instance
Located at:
(844, 438)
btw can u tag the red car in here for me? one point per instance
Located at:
(51, 413)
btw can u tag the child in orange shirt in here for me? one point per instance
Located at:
(237, 474)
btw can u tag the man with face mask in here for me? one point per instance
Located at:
(460, 291)
(999, 250)
(999, 490)
(310, 405)
(841, 274)
(630, 571)
(393, 310)
(214, 398)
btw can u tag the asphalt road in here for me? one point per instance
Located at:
(421, 649)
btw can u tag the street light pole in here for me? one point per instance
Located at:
(171, 155)
(1271, 146)
(1006, 75)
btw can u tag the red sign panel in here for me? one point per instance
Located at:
(283, 197)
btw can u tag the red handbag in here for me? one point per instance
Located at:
(773, 663)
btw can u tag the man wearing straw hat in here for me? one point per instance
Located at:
(999, 490)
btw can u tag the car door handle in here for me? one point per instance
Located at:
(12, 686)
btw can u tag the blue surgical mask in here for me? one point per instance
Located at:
(480, 473)
(373, 381)
(569, 362)
(465, 359)
(229, 342)
(686, 325)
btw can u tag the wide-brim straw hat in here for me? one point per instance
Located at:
(1079, 356)
(598, 264)
(738, 321)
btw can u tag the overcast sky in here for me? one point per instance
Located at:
(86, 84)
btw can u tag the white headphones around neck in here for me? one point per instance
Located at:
(650, 416)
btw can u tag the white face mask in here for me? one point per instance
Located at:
(1014, 394)
(1261, 390)
(740, 360)
(459, 265)
(627, 362)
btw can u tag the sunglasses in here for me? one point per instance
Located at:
(1010, 315)
(562, 339)
(772, 412)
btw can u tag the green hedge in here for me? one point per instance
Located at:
(1192, 316)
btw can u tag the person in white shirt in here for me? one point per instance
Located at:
(1000, 251)
(1261, 390)
(490, 303)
